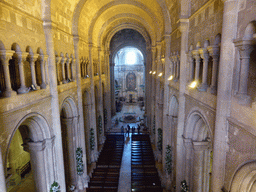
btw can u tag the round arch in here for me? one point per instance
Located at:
(244, 178)
(68, 108)
(36, 135)
(136, 23)
(173, 106)
(80, 4)
(111, 4)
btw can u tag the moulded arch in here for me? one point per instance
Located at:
(197, 126)
(124, 26)
(244, 178)
(29, 50)
(217, 39)
(206, 43)
(147, 33)
(127, 45)
(174, 106)
(2, 46)
(68, 108)
(112, 4)
(250, 30)
(15, 47)
(80, 5)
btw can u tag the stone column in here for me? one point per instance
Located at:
(37, 159)
(227, 62)
(58, 59)
(198, 165)
(49, 143)
(153, 50)
(188, 161)
(197, 58)
(2, 175)
(205, 56)
(63, 62)
(178, 66)
(59, 174)
(73, 65)
(245, 48)
(46, 67)
(32, 59)
(82, 181)
(5, 58)
(68, 68)
(215, 53)
(20, 61)
(180, 173)
(192, 67)
(41, 61)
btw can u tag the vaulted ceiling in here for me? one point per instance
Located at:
(96, 21)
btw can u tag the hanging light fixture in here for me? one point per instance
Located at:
(150, 72)
(160, 74)
(154, 72)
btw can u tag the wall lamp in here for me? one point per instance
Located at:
(193, 84)
(170, 78)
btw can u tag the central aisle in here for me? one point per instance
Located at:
(125, 171)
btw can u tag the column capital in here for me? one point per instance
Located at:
(195, 54)
(201, 145)
(204, 54)
(214, 50)
(22, 56)
(6, 55)
(34, 146)
(245, 47)
(58, 59)
(32, 58)
(187, 142)
(63, 60)
(183, 25)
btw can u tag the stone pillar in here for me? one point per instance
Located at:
(5, 58)
(166, 125)
(63, 62)
(180, 173)
(32, 59)
(58, 59)
(227, 62)
(112, 86)
(69, 60)
(245, 48)
(37, 159)
(82, 181)
(192, 67)
(197, 58)
(49, 143)
(215, 53)
(41, 61)
(59, 174)
(199, 165)
(46, 67)
(20, 61)
(2, 175)
(205, 56)
(153, 50)
(188, 162)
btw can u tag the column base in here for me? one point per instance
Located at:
(9, 93)
(43, 86)
(203, 87)
(23, 90)
(64, 81)
(244, 99)
(213, 90)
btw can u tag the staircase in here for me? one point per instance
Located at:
(105, 176)
(144, 173)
